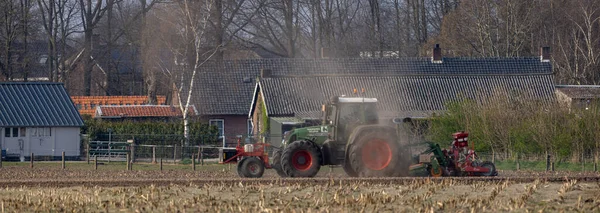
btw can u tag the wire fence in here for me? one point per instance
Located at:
(173, 149)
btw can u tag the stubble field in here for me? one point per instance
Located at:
(216, 188)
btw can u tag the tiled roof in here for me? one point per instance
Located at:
(141, 111)
(226, 87)
(37, 104)
(87, 104)
(580, 91)
(413, 96)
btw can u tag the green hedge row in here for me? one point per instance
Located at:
(150, 132)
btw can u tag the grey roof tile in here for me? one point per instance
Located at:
(37, 104)
(220, 89)
(410, 95)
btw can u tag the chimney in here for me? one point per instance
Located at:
(437, 54)
(265, 73)
(545, 54)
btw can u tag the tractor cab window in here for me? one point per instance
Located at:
(352, 115)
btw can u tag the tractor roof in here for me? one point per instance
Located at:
(357, 100)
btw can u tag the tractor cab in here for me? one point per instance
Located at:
(343, 114)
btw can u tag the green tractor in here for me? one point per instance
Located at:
(350, 136)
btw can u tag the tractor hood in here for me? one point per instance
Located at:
(317, 134)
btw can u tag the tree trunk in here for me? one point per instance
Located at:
(87, 62)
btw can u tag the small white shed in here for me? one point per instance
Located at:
(39, 118)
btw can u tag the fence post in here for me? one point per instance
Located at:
(161, 164)
(174, 153)
(88, 152)
(127, 158)
(552, 166)
(63, 160)
(95, 162)
(193, 162)
(132, 144)
(154, 154)
(199, 153)
(518, 164)
(548, 163)
(202, 156)
(31, 160)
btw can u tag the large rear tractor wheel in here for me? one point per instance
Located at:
(348, 166)
(252, 167)
(376, 154)
(492, 169)
(301, 159)
(277, 163)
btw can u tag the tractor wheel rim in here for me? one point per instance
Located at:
(377, 154)
(253, 168)
(302, 160)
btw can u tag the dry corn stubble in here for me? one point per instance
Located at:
(332, 195)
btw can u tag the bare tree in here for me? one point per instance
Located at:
(183, 29)
(9, 34)
(57, 20)
(91, 14)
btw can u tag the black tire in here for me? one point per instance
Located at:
(253, 167)
(376, 153)
(491, 166)
(239, 168)
(301, 159)
(277, 163)
(348, 166)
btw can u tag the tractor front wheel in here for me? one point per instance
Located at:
(301, 159)
(277, 163)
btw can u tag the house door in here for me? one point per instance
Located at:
(14, 141)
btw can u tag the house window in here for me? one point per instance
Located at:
(250, 127)
(220, 124)
(41, 132)
(22, 131)
(12, 132)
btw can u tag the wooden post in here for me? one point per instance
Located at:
(552, 166)
(174, 154)
(88, 152)
(128, 158)
(518, 164)
(199, 154)
(595, 166)
(154, 154)
(31, 160)
(160, 164)
(193, 162)
(0, 161)
(547, 163)
(63, 160)
(95, 162)
(202, 156)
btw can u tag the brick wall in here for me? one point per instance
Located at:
(234, 125)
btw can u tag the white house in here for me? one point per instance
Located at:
(39, 118)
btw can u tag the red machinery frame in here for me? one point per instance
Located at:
(259, 151)
(459, 144)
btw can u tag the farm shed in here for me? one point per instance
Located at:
(38, 118)
(290, 94)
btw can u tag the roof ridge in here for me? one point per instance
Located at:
(31, 83)
(375, 75)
